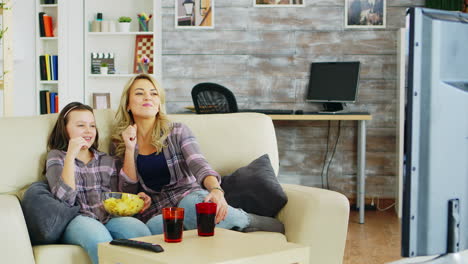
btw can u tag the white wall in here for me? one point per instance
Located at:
(23, 29)
(24, 45)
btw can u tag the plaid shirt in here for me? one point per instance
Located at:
(187, 167)
(92, 179)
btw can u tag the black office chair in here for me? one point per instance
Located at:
(212, 98)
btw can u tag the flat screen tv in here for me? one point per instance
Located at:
(333, 83)
(435, 183)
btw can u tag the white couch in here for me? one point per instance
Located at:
(314, 217)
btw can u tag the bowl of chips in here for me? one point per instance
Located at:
(122, 204)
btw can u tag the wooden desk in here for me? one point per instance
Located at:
(361, 150)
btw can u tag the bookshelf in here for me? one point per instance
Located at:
(46, 74)
(6, 81)
(120, 44)
(67, 44)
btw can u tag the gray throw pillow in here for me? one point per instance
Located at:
(255, 188)
(46, 216)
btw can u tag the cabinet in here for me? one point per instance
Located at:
(6, 82)
(109, 40)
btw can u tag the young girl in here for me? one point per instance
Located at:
(78, 174)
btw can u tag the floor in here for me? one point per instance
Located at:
(377, 241)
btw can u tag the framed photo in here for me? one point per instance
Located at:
(278, 3)
(365, 13)
(193, 14)
(101, 100)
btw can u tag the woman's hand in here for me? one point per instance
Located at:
(129, 136)
(146, 199)
(75, 145)
(217, 196)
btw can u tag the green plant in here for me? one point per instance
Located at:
(104, 64)
(125, 19)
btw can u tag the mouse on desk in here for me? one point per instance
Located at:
(299, 112)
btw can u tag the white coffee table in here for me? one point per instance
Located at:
(225, 247)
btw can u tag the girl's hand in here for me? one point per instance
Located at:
(217, 196)
(146, 199)
(129, 136)
(75, 145)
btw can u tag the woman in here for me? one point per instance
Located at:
(78, 173)
(164, 160)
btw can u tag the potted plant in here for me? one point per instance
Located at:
(104, 68)
(124, 23)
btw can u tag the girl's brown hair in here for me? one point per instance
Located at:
(58, 138)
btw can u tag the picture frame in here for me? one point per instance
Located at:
(144, 47)
(194, 14)
(365, 13)
(279, 3)
(101, 101)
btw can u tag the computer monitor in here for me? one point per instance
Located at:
(333, 83)
(435, 183)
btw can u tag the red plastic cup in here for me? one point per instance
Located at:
(173, 223)
(206, 216)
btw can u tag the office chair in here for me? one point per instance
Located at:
(212, 98)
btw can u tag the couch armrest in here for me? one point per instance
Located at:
(14, 240)
(317, 218)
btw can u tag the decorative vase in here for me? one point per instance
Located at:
(104, 70)
(124, 26)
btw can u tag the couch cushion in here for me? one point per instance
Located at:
(255, 188)
(60, 254)
(46, 217)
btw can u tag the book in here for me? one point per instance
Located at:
(47, 61)
(55, 66)
(56, 103)
(41, 24)
(52, 102)
(48, 26)
(42, 66)
(48, 102)
(43, 102)
(51, 64)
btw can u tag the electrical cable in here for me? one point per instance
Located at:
(386, 208)
(334, 151)
(326, 153)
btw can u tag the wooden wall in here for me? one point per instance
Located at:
(263, 56)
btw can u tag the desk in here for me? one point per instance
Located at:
(361, 150)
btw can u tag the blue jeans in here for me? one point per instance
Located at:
(235, 218)
(88, 232)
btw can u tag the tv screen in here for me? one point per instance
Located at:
(435, 188)
(333, 81)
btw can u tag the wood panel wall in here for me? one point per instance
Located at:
(263, 56)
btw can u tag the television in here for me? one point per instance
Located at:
(435, 179)
(333, 83)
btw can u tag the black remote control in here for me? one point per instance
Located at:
(137, 244)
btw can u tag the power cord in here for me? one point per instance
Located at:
(326, 153)
(386, 208)
(334, 151)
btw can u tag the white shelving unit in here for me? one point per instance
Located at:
(121, 44)
(45, 45)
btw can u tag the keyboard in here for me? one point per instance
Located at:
(269, 111)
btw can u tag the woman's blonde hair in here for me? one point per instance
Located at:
(124, 118)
